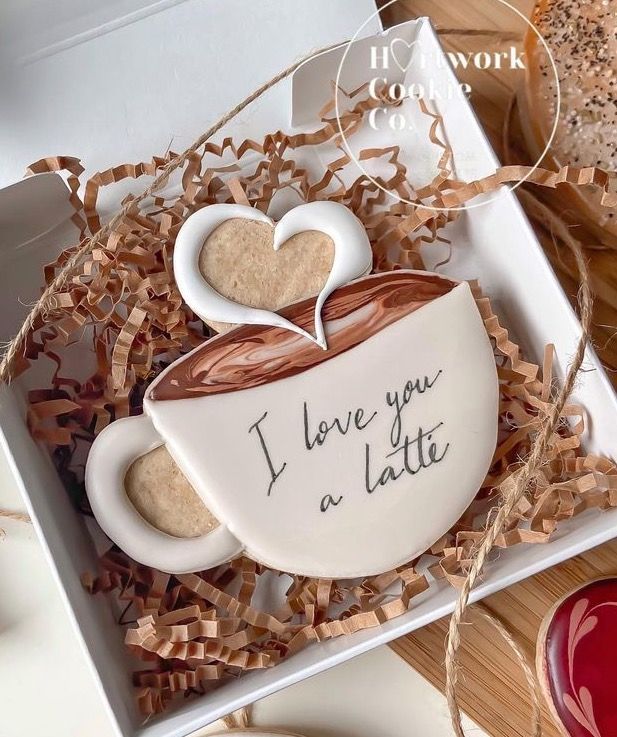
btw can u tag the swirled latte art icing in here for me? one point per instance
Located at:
(254, 355)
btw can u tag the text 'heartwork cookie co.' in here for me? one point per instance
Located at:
(338, 457)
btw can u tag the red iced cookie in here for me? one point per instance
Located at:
(577, 660)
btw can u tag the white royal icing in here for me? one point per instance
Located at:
(352, 258)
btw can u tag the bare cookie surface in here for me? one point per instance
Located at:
(160, 492)
(238, 259)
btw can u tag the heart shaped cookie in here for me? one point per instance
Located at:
(353, 257)
(576, 662)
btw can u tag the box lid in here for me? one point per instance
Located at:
(119, 81)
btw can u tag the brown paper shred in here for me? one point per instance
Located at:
(195, 631)
(74, 170)
(122, 347)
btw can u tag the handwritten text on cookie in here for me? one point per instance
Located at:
(410, 452)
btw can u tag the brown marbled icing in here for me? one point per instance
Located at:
(252, 355)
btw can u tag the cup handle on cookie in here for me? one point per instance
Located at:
(111, 455)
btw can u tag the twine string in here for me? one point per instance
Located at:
(17, 516)
(533, 686)
(515, 487)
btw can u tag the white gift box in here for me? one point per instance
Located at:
(222, 58)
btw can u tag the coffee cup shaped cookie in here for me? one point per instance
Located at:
(340, 454)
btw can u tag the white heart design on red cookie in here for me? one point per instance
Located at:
(576, 659)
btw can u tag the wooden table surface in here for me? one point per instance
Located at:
(492, 93)
(492, 689)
